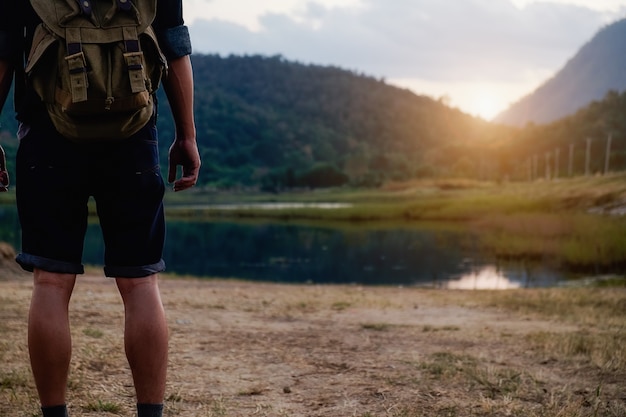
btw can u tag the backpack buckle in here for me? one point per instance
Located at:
(124, 5)
(85, 7)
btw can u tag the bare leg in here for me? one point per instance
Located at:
(145, 336)
(49, 339)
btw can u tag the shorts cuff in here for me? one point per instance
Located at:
(30, 262)
(134, 271)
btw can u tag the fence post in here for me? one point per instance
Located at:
(570, 165)
(588, 157)
(607, 158)
(557, 153)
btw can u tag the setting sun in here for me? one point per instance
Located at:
(480, 98)
(485, 105)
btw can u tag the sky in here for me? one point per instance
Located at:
(477, 55)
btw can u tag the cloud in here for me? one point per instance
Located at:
(436, 40)
(427, 38)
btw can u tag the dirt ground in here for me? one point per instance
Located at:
(254, 349)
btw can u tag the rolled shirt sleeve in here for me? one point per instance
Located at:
(175, 42)
(170, 29)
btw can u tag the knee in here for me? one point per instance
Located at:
(54, 281)
(128, 286)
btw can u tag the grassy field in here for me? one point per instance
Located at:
(445, 199)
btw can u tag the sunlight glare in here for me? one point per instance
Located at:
(483, 99)
(485, 105)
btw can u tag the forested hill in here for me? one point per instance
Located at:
(267, 121)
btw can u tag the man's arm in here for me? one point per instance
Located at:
(178, 87)
(6, 77)
(175, 43)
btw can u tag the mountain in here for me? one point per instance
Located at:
(597, 68)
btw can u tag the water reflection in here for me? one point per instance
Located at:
(284, 252)
(268, 206)
(487, 278)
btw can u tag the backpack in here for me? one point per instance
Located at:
(96, 65)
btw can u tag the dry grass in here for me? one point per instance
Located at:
(599, 314)
(245, 349)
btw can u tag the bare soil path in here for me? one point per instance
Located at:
(254, 349)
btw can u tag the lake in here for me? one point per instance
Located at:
(401, 255)
(407, 255)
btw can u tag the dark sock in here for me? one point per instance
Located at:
(149, 410)
(55, 411)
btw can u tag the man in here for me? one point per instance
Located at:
(55, 178)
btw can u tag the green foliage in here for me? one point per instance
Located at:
(264, 121)
(322, 175)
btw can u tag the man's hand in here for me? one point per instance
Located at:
(4, 181)
(184, 153)
(4, 175)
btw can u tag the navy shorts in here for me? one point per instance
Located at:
(55, 179)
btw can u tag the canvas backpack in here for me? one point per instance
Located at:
(96, 64)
